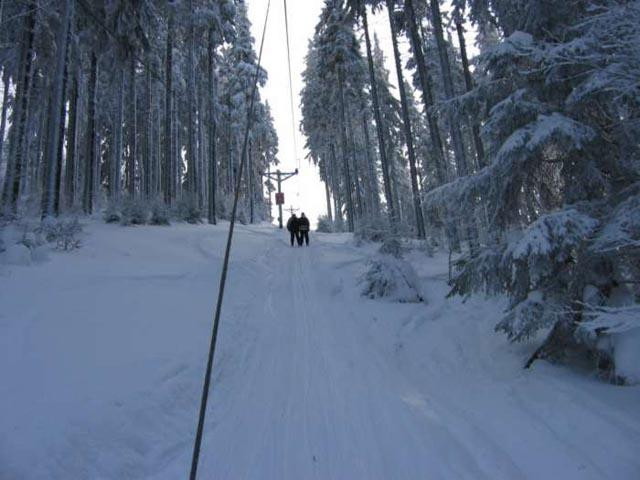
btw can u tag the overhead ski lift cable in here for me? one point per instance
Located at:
(225, 264)
(293, 115)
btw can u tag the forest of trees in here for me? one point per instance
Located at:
(523, 161)
(130, 105)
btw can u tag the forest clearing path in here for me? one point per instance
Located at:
(314, 400)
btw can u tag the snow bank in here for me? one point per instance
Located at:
(16, 254)
(627, 356)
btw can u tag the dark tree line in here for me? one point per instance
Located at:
(112, 101)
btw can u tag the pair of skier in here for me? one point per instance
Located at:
(299, 229)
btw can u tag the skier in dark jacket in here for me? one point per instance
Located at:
(303, 227)
(293, 225)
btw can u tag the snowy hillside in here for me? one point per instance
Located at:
(102, 353)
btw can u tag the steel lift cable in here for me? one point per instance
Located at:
(225, 264)
(293, 115)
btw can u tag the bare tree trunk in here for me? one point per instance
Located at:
(213, 162)
(228, 176)
(90, 146)
(250, 182)
(326, 189)
(337, 202)
(384, 163)
(132, 127)
(417, 205)
(456, 135)
(56, 105)
(475, 129)
(374, 194)
(447, 80)
(30, 152)
(395, 189)
(3, 120)
(11, 190)
(178, 164)
(115, 180)
(155, 154)
(158, 185)
(201, 175)
(345, 159)
(191, 114)
(59, 153)
(72, 149)
(356, 168)
(426, 85)
(147, 162)
(168, 128)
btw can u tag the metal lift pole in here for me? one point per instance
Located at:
(280, 177)
(279, 180)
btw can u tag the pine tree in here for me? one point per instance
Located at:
(555, 84)
(406, 122)
(360, 10)
(56, 105)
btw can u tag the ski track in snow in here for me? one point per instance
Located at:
(102, 371)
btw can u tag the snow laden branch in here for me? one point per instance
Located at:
(546, 139)
(559, 189)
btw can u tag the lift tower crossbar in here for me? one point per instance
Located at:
(280, 177)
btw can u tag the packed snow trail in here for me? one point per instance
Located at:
(315, 401)
(102, 371)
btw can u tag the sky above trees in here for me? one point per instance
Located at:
(306, 192)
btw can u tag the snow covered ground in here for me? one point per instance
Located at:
(102, 353)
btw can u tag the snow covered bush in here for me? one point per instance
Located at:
(242, 213)
(134, 211)
(539, 266)
(17, 254)
(391, 278)
(2, 234)
(222, 207)
(372, 229)
(187, 210)
(113, 212)
(325, 224)
(31, 239)
(392, 246)
(129, 211)
(429, 246)
(62, 232)
(160, 214)
(614, 333)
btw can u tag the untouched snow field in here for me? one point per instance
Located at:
(102, 354)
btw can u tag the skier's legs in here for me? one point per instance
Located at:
(292, 237)
(306, 237)
(299, 235)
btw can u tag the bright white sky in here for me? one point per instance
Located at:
(305, 192)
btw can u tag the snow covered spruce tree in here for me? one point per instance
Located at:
(561, 184)
(360, 98)
(359, 10)
(114, 102)
(334, 89)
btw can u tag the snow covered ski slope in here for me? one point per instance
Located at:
(102, 353)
